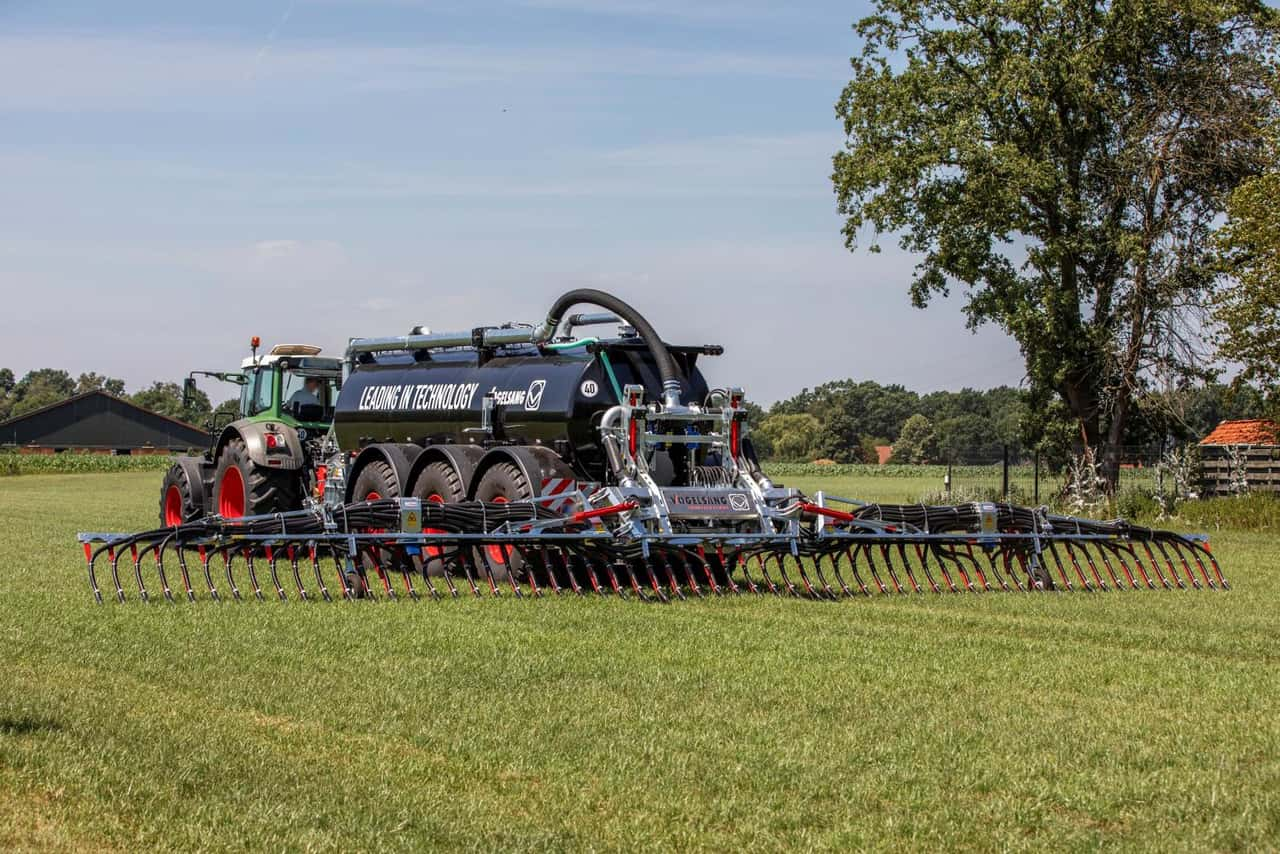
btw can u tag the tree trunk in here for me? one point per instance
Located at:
(1115, 436)
(1082, 400)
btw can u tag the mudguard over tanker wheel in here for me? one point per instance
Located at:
(241, 488)
(182, 497)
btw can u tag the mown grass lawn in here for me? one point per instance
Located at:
(1143, 720)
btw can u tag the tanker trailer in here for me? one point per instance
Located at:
(512, 413)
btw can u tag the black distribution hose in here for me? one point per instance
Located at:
(667, 368)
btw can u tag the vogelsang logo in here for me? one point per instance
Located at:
(533, 397)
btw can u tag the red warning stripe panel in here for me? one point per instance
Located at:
(558, 494)
(556, 485)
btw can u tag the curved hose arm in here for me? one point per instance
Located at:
(667, 370)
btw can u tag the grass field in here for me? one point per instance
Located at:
(1140, 720)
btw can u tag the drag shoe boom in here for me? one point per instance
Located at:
(403, 549)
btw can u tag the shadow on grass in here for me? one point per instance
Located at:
(27, 725)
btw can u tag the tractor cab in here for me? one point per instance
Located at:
(262, 459)
(292, 384)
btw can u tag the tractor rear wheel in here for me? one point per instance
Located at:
(241, 488)
(502, 483)
(180, 499)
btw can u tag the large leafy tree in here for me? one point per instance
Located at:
(7, 384)
(916, 443)
(94, 381)
(166, 399)
(41, 388)
(1064, 163)
(1249, 311)
(791, 438)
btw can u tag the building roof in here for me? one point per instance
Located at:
(1252, 431)
(883, 453)
(75, 397)
(97, 419)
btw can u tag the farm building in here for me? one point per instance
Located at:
(98, 422)
(1240, 455)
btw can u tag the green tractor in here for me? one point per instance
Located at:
(263, 461)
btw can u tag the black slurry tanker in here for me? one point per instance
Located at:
(513, 412)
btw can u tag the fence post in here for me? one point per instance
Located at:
(947, 482)
(1036, 479)
(1005, 480)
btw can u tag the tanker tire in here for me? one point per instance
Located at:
(503, 482)
(438, 481)
(189, 504)
(263, 490)
(376, 478)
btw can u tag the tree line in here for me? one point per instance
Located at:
(843, 421)
(846, 420)
(46, 386)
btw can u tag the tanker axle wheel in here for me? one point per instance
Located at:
(502, 483)
(437, 483)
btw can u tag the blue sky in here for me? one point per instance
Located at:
(180, 176)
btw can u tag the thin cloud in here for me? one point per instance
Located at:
(72, 72)
(720, 166)
(720, 13)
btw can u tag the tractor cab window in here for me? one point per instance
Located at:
(307, 396)
(258, 392)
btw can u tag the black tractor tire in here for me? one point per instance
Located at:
(376, 480)
(256, 490)
(181, 500)
(503, 482)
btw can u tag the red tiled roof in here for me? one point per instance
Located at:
(1248, 432)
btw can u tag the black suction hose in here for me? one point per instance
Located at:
(667, 370)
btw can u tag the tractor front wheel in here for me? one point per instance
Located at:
(241, 488)
(181, 499)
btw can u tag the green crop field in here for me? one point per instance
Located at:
(1140, 720)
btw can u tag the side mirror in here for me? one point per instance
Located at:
(188, 391)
